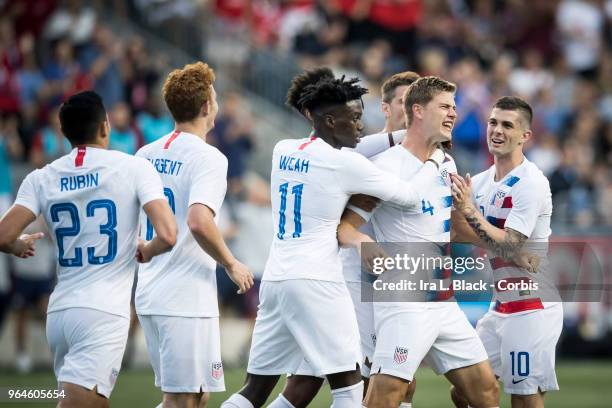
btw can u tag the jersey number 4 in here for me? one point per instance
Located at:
(72, 231)
(297, 206)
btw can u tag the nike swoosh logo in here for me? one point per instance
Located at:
(478, 195)
(516, 382)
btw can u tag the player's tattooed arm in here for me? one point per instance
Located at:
(507, 243)
(461, 231)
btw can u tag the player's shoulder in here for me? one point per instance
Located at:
(209, 152)
(530, 177)
(388, 157)
(483, 177)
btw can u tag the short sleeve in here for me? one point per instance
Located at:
(28, 196)
(356, 174)
(148, 186)
(209, 182)
(527, 201)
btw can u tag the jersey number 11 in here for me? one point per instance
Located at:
(297, 205)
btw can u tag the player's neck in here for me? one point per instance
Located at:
(504, 164)
(197, 127)
(416, 145)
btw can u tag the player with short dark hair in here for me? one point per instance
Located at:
(90, 199)
(507, 210)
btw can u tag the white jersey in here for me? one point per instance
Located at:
(90, 200)
(311, 183)
(369, 146)
(430, 221)
(520, 201)
(182, 282)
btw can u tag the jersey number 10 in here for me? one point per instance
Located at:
(297, 206)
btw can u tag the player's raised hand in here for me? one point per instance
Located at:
(26, 245)
(461, 190)
(240, 274)
(528, 261)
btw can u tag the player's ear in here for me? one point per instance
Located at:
(105, 129)
(329, 120)
(526, 136)
(205, 109)
(417, 111)
(386, 108)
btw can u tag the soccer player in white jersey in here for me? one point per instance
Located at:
(505, 209)
(301, 387)
(299, 391)
(305, 311)
(176, 295)
(410, 332)
(90, 199)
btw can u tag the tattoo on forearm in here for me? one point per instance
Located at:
(511, 245)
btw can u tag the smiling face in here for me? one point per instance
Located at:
(438, 116)
(507, 132)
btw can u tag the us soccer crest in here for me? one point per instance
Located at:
(113, 376)
(401, 355)
(217, 370)
(499, 199)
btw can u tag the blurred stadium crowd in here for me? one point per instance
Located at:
(557, 54)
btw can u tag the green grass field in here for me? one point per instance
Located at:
(583, 384)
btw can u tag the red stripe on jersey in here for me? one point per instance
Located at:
(519, 305)
(507, 202)
(303, 145)
(173, 136)
(522, 279)
(78, 161)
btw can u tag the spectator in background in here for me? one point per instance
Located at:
(531, 77)
(233, 136)
(124, 137)
(10, 61)
(10, 149)
(34, 279)
(581, 24)
(63, 74)
(154, 122)
(49, 143)
(101, 59)
(73, 20)
(140, 74)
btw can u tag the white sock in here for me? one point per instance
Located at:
(406, 405)
(237, 401)
(281, 402)
(348, 397)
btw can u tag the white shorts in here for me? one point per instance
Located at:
(307, 320)
(87, 347)
(521, 348)
(185, 353)
(365, 320)
(437, 333)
